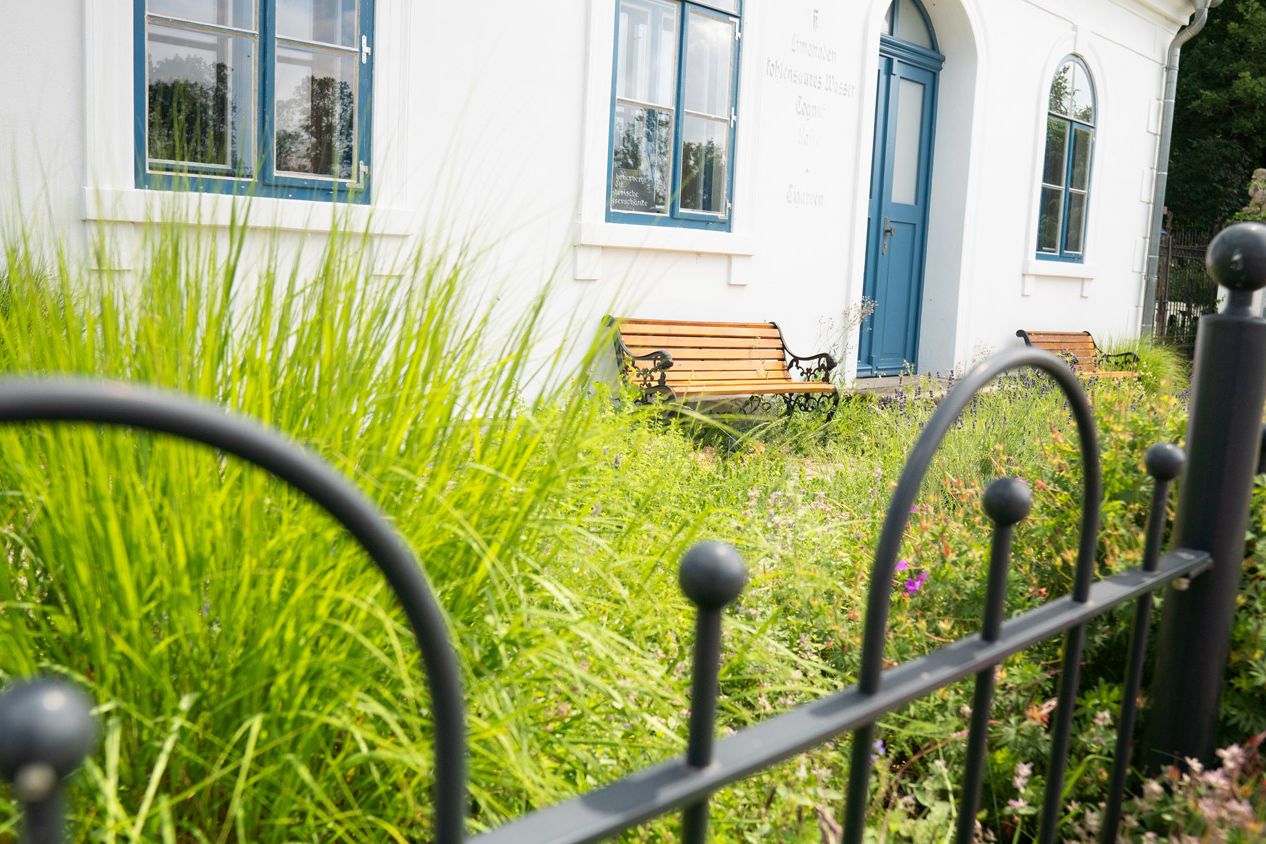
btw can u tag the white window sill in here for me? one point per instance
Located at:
(219, 210)
(1059, 269)
(664, 239)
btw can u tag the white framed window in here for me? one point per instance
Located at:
(260, 97)
(674, 112)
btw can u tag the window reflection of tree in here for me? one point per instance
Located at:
(1065, 96)
(315, 126)
(700, 163)
(189, 115)
(641, 161)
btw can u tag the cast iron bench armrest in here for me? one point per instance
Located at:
(821, 372)
(660, 361)
(1127, 357)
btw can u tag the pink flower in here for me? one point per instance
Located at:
(902, 565)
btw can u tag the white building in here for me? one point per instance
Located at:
(691, 159)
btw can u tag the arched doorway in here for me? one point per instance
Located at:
(900, 189)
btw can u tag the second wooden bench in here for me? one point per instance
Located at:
(1082, 353)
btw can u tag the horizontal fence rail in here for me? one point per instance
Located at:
(46, 729)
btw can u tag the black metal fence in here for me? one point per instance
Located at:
(46, 729)
(1183, 293)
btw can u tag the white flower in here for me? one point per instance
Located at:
(1022, 772)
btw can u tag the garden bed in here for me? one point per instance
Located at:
(257, 684)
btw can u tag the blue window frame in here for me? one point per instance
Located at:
(674, 108)
(1066, 163)
(260, 97)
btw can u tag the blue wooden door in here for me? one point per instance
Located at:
(905, 110)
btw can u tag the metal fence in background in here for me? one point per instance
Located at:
(1183, 292)
(46, 729)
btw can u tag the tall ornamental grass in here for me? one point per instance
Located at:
(255, 680)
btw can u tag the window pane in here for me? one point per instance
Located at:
(316, 112)
(1056, 150)
(1048, 220)
(910, 25)
(329, 21)
(1076, 222)
(1081, 159)
(235, 13)
(906, 146)
(731, 6)
(1060, 88)
(200, 92)
(647, 57)
(641, 155)
(704, 164)
(1081, 98)
(709, 64)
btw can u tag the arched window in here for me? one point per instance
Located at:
(906, 21)
(1070, 140)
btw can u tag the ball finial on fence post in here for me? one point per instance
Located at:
(1164, 461)
(1236, 260)
(1007, 501)
(712, 574)
(47, 731)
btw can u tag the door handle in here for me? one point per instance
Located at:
(889, 231)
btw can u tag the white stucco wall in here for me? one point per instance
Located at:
(492, 117)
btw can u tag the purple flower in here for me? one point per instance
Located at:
(902, 565)
(879, 749)
(914, 584)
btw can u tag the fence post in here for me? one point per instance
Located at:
(1223, 447)
(712, 575)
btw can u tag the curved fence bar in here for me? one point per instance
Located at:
(145, 409)
(879, 599)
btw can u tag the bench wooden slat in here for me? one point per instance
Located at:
(659, 329)
(690, 323)
(727, 377)
(674, 342)
(741, 389)
(687, 365)
(772, 370)
(714, 354)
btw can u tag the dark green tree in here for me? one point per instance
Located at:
(1220, 116)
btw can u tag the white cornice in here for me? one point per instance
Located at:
(1176, 12)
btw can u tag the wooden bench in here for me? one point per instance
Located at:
(684, 360)
(1081, 352)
